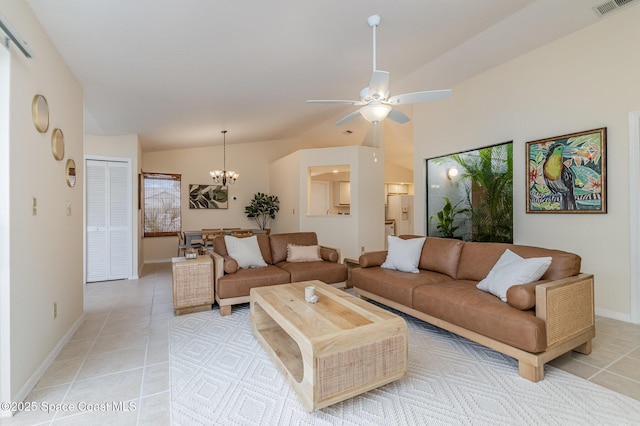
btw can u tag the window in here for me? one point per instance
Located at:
(161, 204)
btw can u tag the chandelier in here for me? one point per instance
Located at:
(222, 177)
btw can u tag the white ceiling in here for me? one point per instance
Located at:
(178, 72)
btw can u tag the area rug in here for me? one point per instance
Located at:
(220, 375)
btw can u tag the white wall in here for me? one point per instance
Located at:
(285, 183)
(5, 226)
(121, 148)
(45, 257)
(250, 160)
(371, 201)
(364, 226)
(586, 80)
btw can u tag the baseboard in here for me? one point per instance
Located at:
(37, 375)
(613, 315)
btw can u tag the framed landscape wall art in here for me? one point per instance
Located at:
(470, 194)
(568, 174)
(208, 197)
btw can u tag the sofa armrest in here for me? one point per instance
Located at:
(373, 258)
(329, 254)
(566, 306)
(218, 266)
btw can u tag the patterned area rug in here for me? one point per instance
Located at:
(221, 375)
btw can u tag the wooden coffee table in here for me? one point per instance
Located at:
(332, 350)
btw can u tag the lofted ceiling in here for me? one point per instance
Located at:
(178, 72)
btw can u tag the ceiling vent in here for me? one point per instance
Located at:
(611, 6)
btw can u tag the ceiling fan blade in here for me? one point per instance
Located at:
(348, 118)
(334, 101)
(398, 116)
(379, 84)
(416, 97)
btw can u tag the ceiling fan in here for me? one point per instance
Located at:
(375, 100)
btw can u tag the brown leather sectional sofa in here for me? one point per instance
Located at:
(232, 285)
(539, 322)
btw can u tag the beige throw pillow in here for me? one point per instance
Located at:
(296, 253)
(245, 251)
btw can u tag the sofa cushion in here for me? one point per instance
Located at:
(510, 270)
(441, 255)
(403, 254)
(245, 251)
(230, 265)
(329, 272)
(296, 253)
(523, 296)
(477, 259)
(371, 259)
(393, 285)
(240, 283)
(278, 243)
(329, 254)
(263, 242)
(461, 303)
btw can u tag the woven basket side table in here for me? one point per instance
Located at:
(192, 284)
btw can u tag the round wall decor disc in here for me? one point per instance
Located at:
(40, 113)
(57, 144)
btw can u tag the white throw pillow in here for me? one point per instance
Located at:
(512, 269)
(403, 255)
(296, 253)
(245, 251)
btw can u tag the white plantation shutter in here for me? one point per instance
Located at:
(119, 219)
(108, 220)
(97, 259)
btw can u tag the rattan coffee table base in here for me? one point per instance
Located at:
(332, 350)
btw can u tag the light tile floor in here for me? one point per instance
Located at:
(121, 354)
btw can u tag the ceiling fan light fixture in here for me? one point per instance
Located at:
(375, 112)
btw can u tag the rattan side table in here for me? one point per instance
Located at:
(192, 284)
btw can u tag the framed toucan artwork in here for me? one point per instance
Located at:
(568, 174)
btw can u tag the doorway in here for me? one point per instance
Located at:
(108, 213)
(319, 202)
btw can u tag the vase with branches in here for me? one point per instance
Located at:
(262, 208)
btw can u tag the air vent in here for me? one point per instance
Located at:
(611, 6)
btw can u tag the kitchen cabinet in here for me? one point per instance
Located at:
(345, 194)
(397, 188)
(341, 193)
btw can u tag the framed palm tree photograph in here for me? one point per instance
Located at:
(470, 194)
(567, 174)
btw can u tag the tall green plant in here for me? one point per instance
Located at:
(262, 208)
(489, 179)
(447, 217)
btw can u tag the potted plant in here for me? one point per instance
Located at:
(262, 208)
(447, 216)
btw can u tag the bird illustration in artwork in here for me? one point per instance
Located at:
(560, 179)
